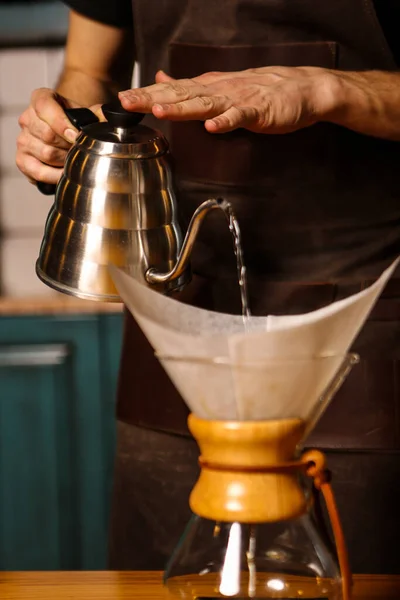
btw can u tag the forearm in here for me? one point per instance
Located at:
(98, 61)
(84, 89)
(367, 102)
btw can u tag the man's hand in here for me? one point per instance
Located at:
(277, 100)
(264, 100)
(98, 62)
(46, 136)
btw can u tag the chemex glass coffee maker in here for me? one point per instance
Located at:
(255, 391)
(254, 531)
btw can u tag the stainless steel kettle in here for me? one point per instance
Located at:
(115, 205)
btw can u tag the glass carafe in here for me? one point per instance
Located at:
(287, 559)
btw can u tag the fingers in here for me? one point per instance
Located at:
(217, 76)
(32, 125)
(143, 99)
(207, 78)
(171, 91)
(200, 108)
(35, 170)
(236, 117)
(48, 108)
(49, 155)
(162, 77)
(46, 135)
(30, 122)
(217, 112)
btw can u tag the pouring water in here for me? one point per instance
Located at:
(234, 228)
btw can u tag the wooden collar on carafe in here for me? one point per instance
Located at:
(245, 474)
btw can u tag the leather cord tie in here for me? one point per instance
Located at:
(313, 464)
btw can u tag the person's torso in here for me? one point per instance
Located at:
(316, 205)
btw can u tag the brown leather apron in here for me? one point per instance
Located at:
(318, 205)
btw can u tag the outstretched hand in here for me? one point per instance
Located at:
(264, 100)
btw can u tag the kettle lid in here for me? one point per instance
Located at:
(118, 117)
(122, 135)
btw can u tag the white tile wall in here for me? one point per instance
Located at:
(9, 130)
(54, 63)
(21, 71)
(23, 209)
(18, 257)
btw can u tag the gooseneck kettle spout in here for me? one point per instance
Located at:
(153, 276)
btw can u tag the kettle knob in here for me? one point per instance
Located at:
(119, 118)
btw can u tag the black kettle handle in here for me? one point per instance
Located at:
(79, 117)
(48, 189)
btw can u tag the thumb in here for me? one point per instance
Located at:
(162, 77)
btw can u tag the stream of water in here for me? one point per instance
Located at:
(234, 228)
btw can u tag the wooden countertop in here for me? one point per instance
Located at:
(53, 303)
(124, 585)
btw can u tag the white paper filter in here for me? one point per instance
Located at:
(278, 368)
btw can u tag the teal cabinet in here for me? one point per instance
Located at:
(57, 390)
